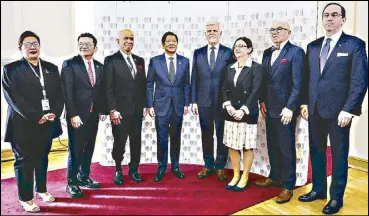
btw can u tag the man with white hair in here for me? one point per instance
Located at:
(279, 104)
(209, 66)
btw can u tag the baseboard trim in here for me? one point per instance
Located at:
(62, 144)
(358, 163)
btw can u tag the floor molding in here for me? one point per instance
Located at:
(358, 163)
(62, 144)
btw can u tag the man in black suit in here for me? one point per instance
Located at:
(83, 92)
(125, 82)
(32, 90)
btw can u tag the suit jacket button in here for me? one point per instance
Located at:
(245, 92)
(239, 101)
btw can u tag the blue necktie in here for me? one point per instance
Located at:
(212, 58)
(324, 55)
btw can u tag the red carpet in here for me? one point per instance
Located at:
(171, 196)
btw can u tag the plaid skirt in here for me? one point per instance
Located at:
(240, 135)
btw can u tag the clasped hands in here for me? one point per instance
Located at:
(47, 117)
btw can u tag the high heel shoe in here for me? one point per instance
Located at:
(29, 208)
(239, 189)
(46, 197)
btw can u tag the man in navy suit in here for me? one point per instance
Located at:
(84, 100)
(337, 68)
(171, 76)
(280, 104)
(209, 66)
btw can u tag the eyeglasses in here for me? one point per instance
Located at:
(239, 46)
(88, 45)
(277, 30)
(334, 15)
(31, 44)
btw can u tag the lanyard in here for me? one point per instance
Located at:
(41, 77)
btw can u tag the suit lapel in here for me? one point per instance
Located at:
(83, 68)
(98, 72)
(179, 70)
(121, 63)
(219, 56)
(280, 57)
(27, 71)
(205, 56)
(163, 63)
(334, 52)
(243, 74)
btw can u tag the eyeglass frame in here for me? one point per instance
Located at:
(277, 30)
(87, 44)
(240, 46)
(28, 45)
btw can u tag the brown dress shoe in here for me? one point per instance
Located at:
(221, 175)
(204, 173)
(284, 196)
(264, 183)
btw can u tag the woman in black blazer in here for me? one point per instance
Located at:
(241, 91)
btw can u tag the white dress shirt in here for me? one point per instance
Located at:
(334, 39)
(216, 50)
(132, 61)
(174, 61)
(92, 66)
(276, 53)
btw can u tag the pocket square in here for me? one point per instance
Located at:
(342, 54)
(284, 61)
(139, 67)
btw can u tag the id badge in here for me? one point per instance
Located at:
(45, 105)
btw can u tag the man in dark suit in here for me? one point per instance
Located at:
(279, 104)
(337, 68)
(125, 89)
(32, 90)
(208, 68)
(170, 74)
(82, 81)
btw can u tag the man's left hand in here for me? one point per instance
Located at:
(344, 118)
(286, 116)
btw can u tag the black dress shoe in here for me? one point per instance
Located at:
(159, 176)
(178, 173)
(88, 182)
(118, 179)
(332, 207)
(74, 191)
(204, 173)
(311, 196)
(135, 176)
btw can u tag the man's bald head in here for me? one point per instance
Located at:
(125, 39)
(279, 32)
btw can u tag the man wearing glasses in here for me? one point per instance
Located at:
(209, 66)
(337, 69)
(125, 91)
(82, 78)
(279, 104)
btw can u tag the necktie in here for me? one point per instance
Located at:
(90, 73)
(324, 55)
(212, 58)
(172, 73)
(131, 67)
(91, 76)
(274, 48)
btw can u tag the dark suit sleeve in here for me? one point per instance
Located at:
(187, 85)
(264, 84)
(102, 102)
(225, 87)
(358, 80)
(108, 84)
(194, 78)
(256, 87)
(150, 84)
(143, 85)
(59, 99)
(68, 85)
(297, 77)
(18, 102)
(306, 80)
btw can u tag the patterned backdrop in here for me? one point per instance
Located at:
(150, 20)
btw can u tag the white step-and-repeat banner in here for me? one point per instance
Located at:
(150, 20)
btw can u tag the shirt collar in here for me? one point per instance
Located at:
(86, 61)
(282, 44)
(216, 46)
(334, 37)
(168, 56)
(125, 55)
(248, 63)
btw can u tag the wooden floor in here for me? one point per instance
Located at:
(355, 201)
